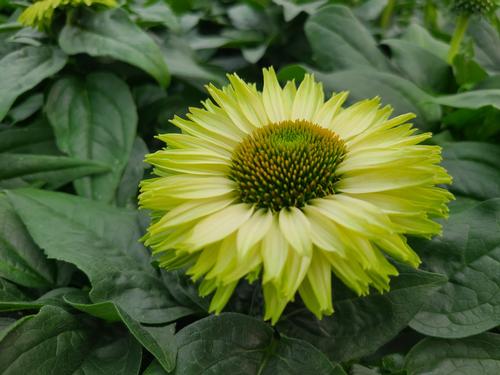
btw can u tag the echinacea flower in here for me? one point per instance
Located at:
(284, 186)
(39, 14)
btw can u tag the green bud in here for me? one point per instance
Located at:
(475, 6)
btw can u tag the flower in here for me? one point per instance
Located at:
(286, 185)
(39, 14)
(475, 6)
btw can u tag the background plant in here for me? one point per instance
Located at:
(80, 102)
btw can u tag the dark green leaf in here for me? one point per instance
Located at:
(487, 44)
(102, 241)
(9, 292)
(95, 119)
(56, 342)
(242, 345)
(474, 355)
(158, 340)
(34, 139)
(340, 41)
(403, 95)
(54, 297)
(25, 109)
(112, 33)
(183, 63)
(154, 369)
(471, 99)
(360, 325)
(469, 254)
(102, 310)
(52, 172)
(422, 67)
(474, 167)
(421, 37)
(132, 175)
(21, 261)
(23, 69)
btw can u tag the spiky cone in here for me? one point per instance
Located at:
(285, 187)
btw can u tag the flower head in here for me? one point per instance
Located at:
(475, 6)
(39, 14)
(288, 187)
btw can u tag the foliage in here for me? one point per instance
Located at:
(80, 102)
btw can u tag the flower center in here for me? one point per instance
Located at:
(286, 164)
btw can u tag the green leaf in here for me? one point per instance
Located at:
(474, 355)
(102, 310)
(422, 67)
(10, 292)
(471, 99)
(183, 63)
(21, 261)
(132, 175)
(111, 33)
(52, 172)
(158, 340)
(340, 41)
(421, 37)
(102, 241)
(154, 368)
(239, 344)
(95, 119)
(487, 44)
(360, 325)
(469, 254)
(54, 341)
(37, 138)
(25, 109)
(401, 94)
(474, 167)
(54, 297)
(23, 69)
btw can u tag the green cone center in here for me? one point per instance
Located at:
(287, 164)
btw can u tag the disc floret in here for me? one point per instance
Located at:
(287, 164)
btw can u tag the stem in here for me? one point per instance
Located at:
(387, 15)
(458, 35)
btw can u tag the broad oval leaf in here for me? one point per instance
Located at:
(23, 69)
(473, 355)
(471, 99)
(94, 119)
(475, 169)
(243, 345)
(112, 33)
(469, 254)
(21, 260)
(102, 241)
(54, 341)
(422, 67)
(340, 41)
(360, 325)
(51, 172)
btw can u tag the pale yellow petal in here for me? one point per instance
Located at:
(272, 97)
(218, 226)
(356, 118)
(327, 112)
(274, 252)
(253, 230)
(296, 229)
(308, 100)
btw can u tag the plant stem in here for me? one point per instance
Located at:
(387, 15)
(458, 35)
